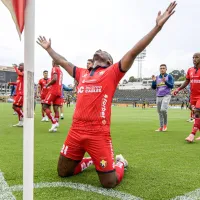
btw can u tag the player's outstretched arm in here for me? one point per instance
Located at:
(161, 19)
(59, 60)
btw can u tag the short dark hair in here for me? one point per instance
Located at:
(164, 65)
(45, 71)
(90, 60)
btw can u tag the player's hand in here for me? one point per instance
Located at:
(162, 18)
(163, 79)
(153, 78)
(175, 92)
(44, 43)
(14, 65)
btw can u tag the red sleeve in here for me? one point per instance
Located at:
(116, 72)
(18, 72)
(188, 74)
(54, 70)
(13, 83)
(77, 73)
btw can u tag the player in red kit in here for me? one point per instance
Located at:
(42, 91)
(18, 99)
(90, 130)
(54, 96)
(193, 77)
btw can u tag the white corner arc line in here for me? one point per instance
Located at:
(194, 195)
(5, 192)
(83, 187)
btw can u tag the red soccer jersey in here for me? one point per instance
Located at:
(20, 82)
(56, 88)
(43, 82)
(193, 74)
(95, 91)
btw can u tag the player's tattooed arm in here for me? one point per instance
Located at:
(59, 60)
(161, 19)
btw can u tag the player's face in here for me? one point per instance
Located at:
(45, 74)
(102, 58)
(196, 59)
(89, 64)
(163, 69)
(21, 67)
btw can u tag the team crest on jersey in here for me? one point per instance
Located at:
(103, 163)
(101, 73)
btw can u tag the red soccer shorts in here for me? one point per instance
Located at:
(195, 103)
(52, 99)
(18, 100)
(98, 146)
(61, 102)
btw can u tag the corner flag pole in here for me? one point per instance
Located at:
(28, 130)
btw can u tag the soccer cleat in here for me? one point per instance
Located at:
(190, 120)
(20, 124)
(43, 119)
(15, 113)
(164, 128)
(120, 158)
(62, 117)
(54, 127)
(159, 129)
(46, 119)
(190, 138)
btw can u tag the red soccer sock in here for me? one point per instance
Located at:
(196, 126)
(84, 164)
(19, 111)
(57, 116)
(50, 116)
(119, 167)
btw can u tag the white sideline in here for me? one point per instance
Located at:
(83, 187)
(194, 195)
(5, 191)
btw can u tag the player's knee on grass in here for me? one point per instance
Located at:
(108, 180)
(66, 166)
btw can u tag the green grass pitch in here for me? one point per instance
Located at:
(161, 165)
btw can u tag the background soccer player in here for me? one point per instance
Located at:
(43, 91)
(193, 77)
(163, 85)
(90, 130)
(54, 96)
(19, 93)
(64, 88)
(90, 64)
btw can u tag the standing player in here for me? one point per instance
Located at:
(90, 64)
(193, 77)
(42, 92)
(54, 96)
(19, 94)
(163, 85)
(90, 130)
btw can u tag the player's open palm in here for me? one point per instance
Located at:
(162, 18)
(43, 42)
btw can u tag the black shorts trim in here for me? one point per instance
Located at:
(105, 172)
